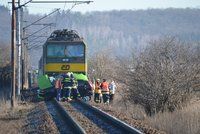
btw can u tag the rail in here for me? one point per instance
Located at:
(114, 121)
(75, 127)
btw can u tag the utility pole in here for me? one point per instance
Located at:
(24, 62)
(22, 52)
(22, 44)
(19, 48)
(13, 44)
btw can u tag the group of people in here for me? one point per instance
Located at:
(104, 90)
(67, 87)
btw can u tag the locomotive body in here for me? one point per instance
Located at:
(64, 51)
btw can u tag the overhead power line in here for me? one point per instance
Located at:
(53, 2)
(44, 24)
(37, 37)
(36, 46)
(35, 32)
(41, 18)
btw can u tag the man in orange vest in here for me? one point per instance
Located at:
(97, 92)
(105, 91)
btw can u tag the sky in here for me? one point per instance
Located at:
(106, 5)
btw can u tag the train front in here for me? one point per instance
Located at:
(64, 52)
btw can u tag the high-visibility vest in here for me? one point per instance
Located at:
(97, 88)
(67, 83)
(104, 88)
(74, 84)
(67, 80)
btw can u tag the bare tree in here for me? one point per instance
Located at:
(162, 77)
(102, 65)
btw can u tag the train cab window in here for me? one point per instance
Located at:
(56, 50)
(74, 50)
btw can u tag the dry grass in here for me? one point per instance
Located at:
(12, 120)
(4, 105)
(132, 110)
(184, 121)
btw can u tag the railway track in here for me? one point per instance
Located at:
(80, 117)
(94, 120)
(64, 122)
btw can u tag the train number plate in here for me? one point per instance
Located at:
(65, 67)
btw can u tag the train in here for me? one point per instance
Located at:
(64, 51)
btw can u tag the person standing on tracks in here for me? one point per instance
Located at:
(67, 84)
(112, 88)
(58, 87)
(74, 88)
(97, 91)
(105, 91)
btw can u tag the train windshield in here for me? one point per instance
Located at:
(56, 50)
(75, 50)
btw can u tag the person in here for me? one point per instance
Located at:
(105, 91)
(67, 84)
(90, 89)
(97, 91)
(58, 87)
(112, 87)
(70, 74)
(85, 90)
(74, 90)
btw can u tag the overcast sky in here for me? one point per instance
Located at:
(105, 5)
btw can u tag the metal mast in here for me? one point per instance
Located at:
(19, 48)
(13, 53)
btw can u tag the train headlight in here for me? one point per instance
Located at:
(65, 59)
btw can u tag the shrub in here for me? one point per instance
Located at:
(163, 75)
